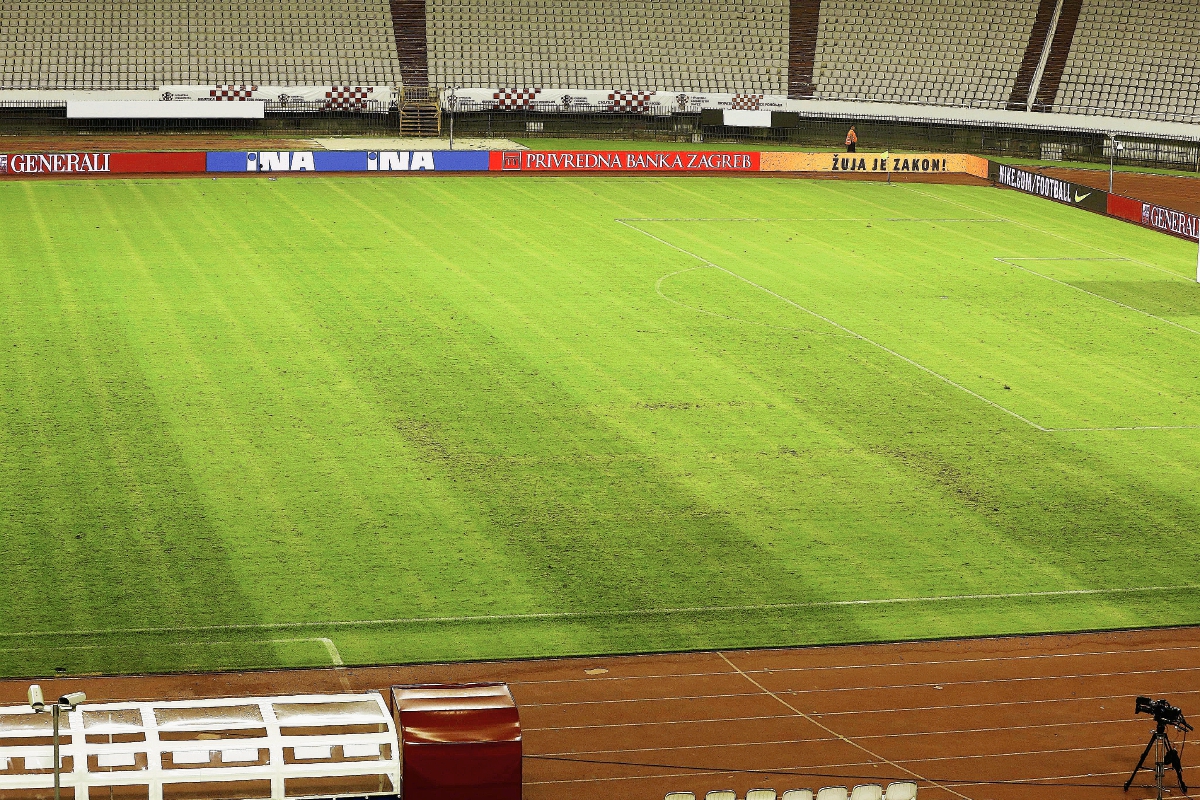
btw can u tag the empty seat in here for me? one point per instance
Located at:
(901, 790)
(867, 791)
(833, 793)
(761, 794)
(798, 794)
(721, 794)
(680, 796)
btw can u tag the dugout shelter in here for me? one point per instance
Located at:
(252, 748)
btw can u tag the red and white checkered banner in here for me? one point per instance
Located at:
(630, 102)
(746, 102)
(620, 101)
(232, 92)
(305, 98)
(512, 99)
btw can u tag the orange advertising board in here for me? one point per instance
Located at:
(875, 163)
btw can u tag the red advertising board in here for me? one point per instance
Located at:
(22, 164)
(1149, 215)
(621, 161)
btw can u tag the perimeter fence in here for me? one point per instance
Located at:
(816, 133)
(647, 124)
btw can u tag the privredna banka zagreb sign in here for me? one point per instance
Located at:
(43, 163)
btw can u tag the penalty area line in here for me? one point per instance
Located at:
(617, 613)
(839, 326)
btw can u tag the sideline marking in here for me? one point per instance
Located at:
(854, 334)
(832, 732)
(334, 655)
(635, 612)
(658, 288)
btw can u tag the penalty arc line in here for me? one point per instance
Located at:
(608, 614)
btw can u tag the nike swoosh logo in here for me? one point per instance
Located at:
(1079, 198)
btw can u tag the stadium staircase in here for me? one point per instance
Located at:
(420, 111)
(804, 22)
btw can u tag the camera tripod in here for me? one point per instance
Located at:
(1165, 755)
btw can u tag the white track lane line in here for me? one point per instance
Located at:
(882, 687)
(832, 732)
(822, 715)
(904, 735)
(813, 770)
(873, 665)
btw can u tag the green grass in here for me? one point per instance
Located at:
(236, 412)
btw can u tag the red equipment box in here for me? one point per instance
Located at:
(459, 742)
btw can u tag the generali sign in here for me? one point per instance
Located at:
(50, 163)
(99, 163)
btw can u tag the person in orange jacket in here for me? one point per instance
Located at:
(851, 140)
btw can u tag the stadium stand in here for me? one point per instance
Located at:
(941, 52)
(1133, 60)
(144, 44)
(640, 45)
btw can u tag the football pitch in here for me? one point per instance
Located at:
(253, 422)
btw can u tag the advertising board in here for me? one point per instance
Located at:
(1060, 191)
(875, 163)
(348, 161)
(1159, 218)
(622, 161)
(100, 163)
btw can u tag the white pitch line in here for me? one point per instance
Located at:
(841, 327)
(669, 299)
(918, 365)
(1010, 260)
(330, 648)
(583, 615)
(334, 655)
(1002, 218)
